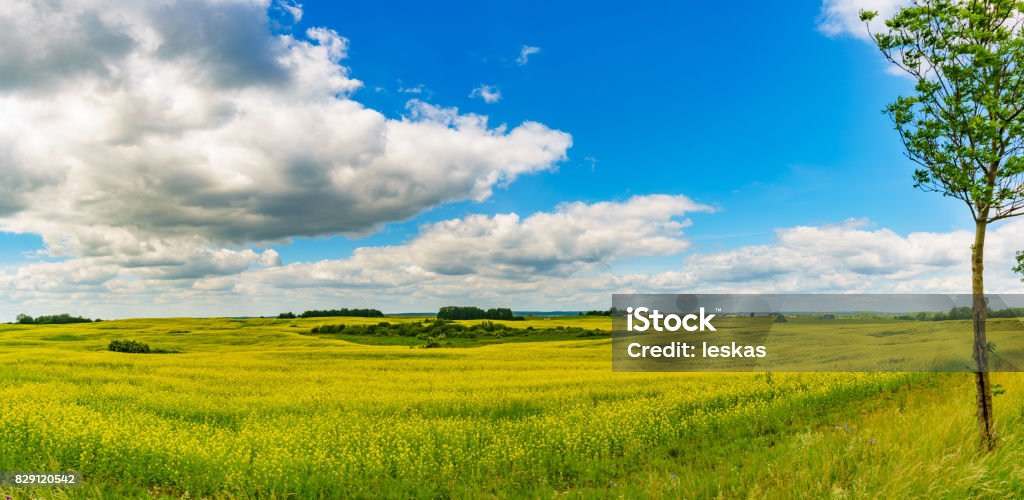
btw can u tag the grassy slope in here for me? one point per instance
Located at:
(798, 435)
(917, 442)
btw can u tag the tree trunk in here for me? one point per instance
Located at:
(986, 430)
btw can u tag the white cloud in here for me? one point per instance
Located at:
(547, 255)
(567, 258)
(842, 17)
(488, 93)
(190, 119)
(574, 238)
(161, 262)
(419, 89)
(854, 257)
(293, 8)
(167, 139)
(524, 54)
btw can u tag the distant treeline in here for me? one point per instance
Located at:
(610, 312)
(963, 312)
(457, 312)
(330, 313)
(56, 319)
(434, 331)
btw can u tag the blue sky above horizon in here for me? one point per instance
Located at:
(773, 122)
(763, 120)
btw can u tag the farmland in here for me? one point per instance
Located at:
(260, 407)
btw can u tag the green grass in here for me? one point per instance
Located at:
(860, 344)
(259, 408)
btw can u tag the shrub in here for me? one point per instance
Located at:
(328, 329)
(129, 346)
(432, 342)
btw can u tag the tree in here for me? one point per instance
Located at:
(964, 125)
(471, 312)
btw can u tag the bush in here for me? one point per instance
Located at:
(129, 346)
(328, 329)
(432, 342)
(133, 347)
(489, 326)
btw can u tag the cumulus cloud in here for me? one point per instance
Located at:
(162, 263)
(488, 93)
(524, 54)
(479, 256)
(856, 257)
(152, 144)
(566, 258)
(574, 238)
(190, 120)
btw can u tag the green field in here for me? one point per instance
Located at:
(808, 344)
(261, 408)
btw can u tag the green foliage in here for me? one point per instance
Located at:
(431, 342)
(964, 123)
(1019, 269)
(610, 312)
(780, 318)
(457, 312)
(287, 315)
(56, 319)
(363, 313)
(962, 313)
(133, 347)
(129, 346)
(328, 329)
(434, 331)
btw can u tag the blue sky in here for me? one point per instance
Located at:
(242, 156)
(772, 121)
